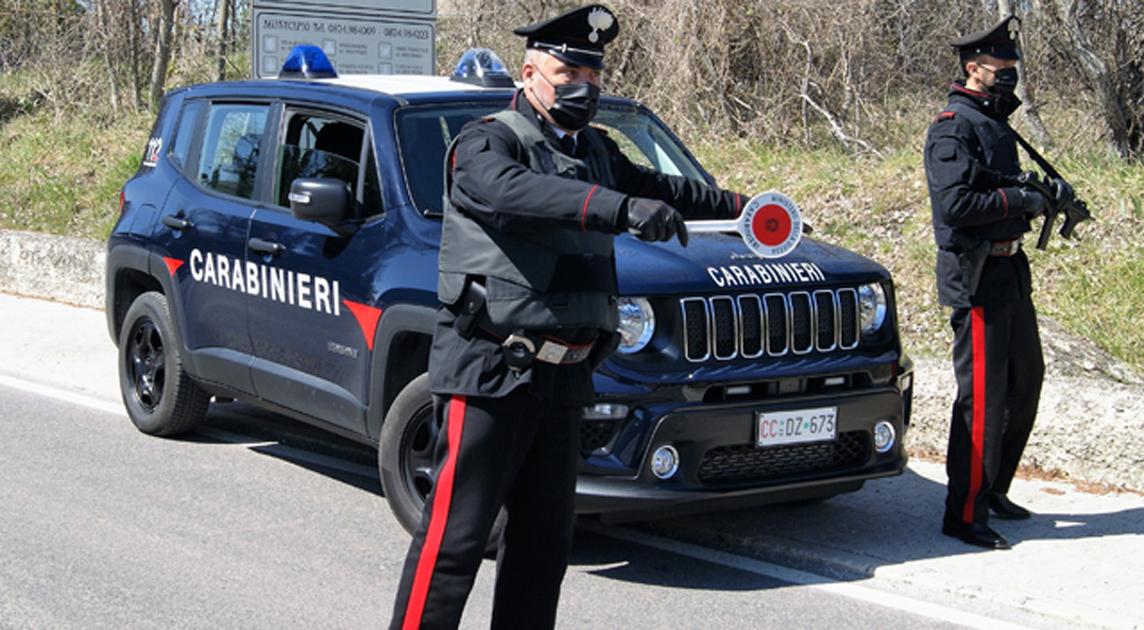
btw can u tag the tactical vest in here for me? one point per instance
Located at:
(543, 281)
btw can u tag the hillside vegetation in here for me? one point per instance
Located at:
(781, 97)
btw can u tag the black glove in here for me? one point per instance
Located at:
(1033, 203)
(1062, 191)
(653, 220)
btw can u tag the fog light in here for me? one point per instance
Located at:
(606, 411)
(884, 436)
(665, 462)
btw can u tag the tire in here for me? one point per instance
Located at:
(160, 396)
(405, 457)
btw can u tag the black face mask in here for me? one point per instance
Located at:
(1004, 82)
(576, 104)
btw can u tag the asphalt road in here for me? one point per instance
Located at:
(245, 526)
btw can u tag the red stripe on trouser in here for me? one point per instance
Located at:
(442, 498)
(977, 431)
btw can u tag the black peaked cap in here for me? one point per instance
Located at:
(577, 36)
(999, 41)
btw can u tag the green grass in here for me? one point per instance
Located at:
(62, 176)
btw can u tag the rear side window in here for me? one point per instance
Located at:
(228, 161)
(185, 132)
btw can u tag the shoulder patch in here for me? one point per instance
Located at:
(945, 116)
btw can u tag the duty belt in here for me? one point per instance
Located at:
(521, 347)
(1006, 248)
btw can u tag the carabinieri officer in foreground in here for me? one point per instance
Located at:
(983, 273)
(528, 286)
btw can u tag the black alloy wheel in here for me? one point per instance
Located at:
(159, 395)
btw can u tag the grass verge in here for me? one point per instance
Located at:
(62, 176)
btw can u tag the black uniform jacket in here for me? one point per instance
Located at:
(492, 185)
(974, 128)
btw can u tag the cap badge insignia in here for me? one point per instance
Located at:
(599, 20)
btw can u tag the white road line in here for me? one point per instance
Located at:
(802, 578)
(64, 395)
(117, 409)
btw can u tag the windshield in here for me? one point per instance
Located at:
(424, 133)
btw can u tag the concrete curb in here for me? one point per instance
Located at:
(59, 268)
(1088, 428)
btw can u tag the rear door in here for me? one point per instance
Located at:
(313, 319)
(205, 222)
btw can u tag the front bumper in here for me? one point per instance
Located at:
(720, 466)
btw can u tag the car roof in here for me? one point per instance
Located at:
(400, 89)
(404, 85)
(410, 89)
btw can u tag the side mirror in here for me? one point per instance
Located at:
(326, 201)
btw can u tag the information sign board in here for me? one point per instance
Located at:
(355, 45)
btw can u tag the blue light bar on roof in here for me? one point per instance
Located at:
(307, 62)
(481, 66)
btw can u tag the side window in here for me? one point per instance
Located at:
(185, 132)
(319, 146)
(228, 161)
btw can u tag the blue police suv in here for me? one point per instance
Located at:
(278, 245)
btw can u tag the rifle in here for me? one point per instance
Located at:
(1075, 210)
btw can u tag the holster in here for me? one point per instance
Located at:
(472, 309)
(971, 256)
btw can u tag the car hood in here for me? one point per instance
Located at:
(722, 262)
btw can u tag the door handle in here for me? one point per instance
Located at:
(175, 223)
(267, 248)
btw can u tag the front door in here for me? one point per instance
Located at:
(313, 320)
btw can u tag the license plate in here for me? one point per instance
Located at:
(796, 427)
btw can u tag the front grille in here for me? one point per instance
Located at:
(731, 465)
(774, 324)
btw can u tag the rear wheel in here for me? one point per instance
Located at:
(160, 396)
(405, 456)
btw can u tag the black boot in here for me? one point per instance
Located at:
(1006, 509)
(976, 534)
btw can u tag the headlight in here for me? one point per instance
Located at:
(871, 307)
(637, 324)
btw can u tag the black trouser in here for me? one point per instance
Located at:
(516, 451)
(999, 367)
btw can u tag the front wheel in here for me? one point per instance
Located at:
(160, 396)
(405, 456)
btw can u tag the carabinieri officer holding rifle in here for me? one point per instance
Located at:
(983, 273)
